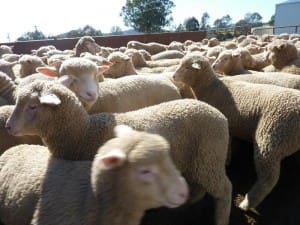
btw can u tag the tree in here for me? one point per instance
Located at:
(224, 22)
(116, 30)
(85, 31)
(204, 21)
(34, 35)
(254, 19)
(191, 24)
(272, 20)
(180, 28)
(147, 15)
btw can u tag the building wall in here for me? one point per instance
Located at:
(287, 17)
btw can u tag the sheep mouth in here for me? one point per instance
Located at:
(170, 204)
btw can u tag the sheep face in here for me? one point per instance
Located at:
(38, 105)
(29, 64)
(281, 53)
(226, 61)
(192, 67)
(118, 61)
(92, 47)
(142, 168)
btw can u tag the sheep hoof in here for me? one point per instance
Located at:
(244, 205)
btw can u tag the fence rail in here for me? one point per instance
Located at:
(25, 47)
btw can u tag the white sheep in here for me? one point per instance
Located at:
(4, 49)
(151, 47)
(168, 54)
(86, 44)
(254, 62)
(268, 115)
(202, 130)
(152, 180)
(28, 64)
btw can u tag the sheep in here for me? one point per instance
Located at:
(254, 49)
(276, 78)
(284, 57)
(175, 45)
(143, 158)
(81, 76)
(230, 45)
(137, 57)
(212, 42)
(146, 55)
(254, 62)
(268, 115)
(7, 67)
(133, 92)
(4, 49)
(28, 65)
(99, 60)
(197, 121)
(215, 51)
(122, 66)
(168, 54)
(7, 87)
(86, 44)
(229, 63)
(10, 57)
(41, 50)
(151, 47)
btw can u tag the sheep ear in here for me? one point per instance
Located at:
(113, 159)
(103, 68)
(106, 63)
(56, 63)
(49, 99)
(122, 130)
(196, 66)
(66, 80)
(48, 71)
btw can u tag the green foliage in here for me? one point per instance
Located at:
(191, 24)
(224, 22)
(34, 35)
(116, 30)
(147, 15)
(180, 28)
(254, 19)
(85, 31)
(204, 21)
(272, 20)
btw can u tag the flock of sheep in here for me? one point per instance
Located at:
(97, 135)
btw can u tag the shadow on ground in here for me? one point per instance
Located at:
(281, 207)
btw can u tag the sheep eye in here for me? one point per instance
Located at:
(145, 171)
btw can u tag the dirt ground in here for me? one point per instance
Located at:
(281, 207)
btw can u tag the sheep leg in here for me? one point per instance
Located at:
(268, 171)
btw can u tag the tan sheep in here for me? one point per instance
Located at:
(229, 63)
(284, 57)
(152, 180)
(254, 62)
(7, 67)
(168, 54)
(4, 49)
(43, 49)
(268, 115)
(86, 44)
(151, 47)
(7, 88)
(10, 57)
(137, 57)
(212, 42)
(203, 131)
(176, 45)
(28, 65)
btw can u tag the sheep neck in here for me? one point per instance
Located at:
(237, 68)
(114, 203)
(65, 138)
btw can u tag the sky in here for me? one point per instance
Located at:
(60, 16)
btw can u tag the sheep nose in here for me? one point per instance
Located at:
(91, 95)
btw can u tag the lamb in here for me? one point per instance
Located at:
(7, 67)
(122, 66)
(152, 180)
(7, 87)
(151, 47)
(212, 42)
(133, 92)
(268, 115)
(175, 45)
(168, 54)
(284, 57)
(229, 63)
(86, 44)
(29, 64)
(10, 57)
(254, 62)
(275, 78)
(137, 57)
(215, 51)
(4, 49)
(43, 49)
(198, 121)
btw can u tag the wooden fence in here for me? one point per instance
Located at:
(25, 47)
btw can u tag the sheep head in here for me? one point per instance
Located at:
(140, 166)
